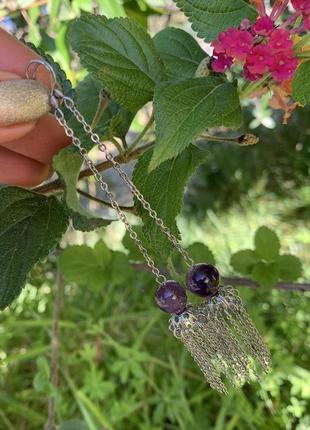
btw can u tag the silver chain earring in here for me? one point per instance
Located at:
(218, 332)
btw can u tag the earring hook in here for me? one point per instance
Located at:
(32, 67)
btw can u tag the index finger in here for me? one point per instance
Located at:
(14, 56)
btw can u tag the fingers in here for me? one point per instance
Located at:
(15, 131)
(42, 142)
(18, 170)
(14, 56)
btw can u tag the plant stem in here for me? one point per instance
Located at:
(253, 87)
(104, 100)
(118, 145)
(105, 165)
(142, 134)
(50, 424)
(130, 209)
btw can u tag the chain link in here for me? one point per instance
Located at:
(69, 103)
(104, 187)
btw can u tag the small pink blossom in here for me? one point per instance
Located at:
(221, 63)
(280, 40)
(284, 65)
(245, 24)
(263, 26)
(302, 6)
(250, 76)
(235, 43)
(259, 59)
(307, 23)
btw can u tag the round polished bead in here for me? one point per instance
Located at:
(203, 280)
(171, 297)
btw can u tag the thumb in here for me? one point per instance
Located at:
(16, 131)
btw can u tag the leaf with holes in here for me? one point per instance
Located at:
(31, 225)
(179, 51)
(163, 188)
(121, 55)
(211, 17)
(185, 109)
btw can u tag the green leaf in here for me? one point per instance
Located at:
(31, 225)
(179, 51)
(244, 261)
(121, 55)
(266, 274)
(73, 425)
(184, 109)
(68, 165)
(79, 264)
(133, 251)
(114, 120)
(267, 245)
(211, 17)
(290, 267)
(301, 84)
(94, 266)
(200, 253)
(163, 188)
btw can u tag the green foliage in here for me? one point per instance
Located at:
(106, 116)
(68, 166)
(185, 109)
(301, 83)
(121, 55)
(73, 425)
(267, 244)
(211, 17)
(179, 51)
(93, 267)
(30, 227)
(264, 264)
(164, 188)
(201, 253)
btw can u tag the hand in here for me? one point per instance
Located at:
(26, 150)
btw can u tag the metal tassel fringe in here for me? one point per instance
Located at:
(222, 339)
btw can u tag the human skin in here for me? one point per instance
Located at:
(26, 150)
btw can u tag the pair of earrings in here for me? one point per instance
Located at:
(217, 332)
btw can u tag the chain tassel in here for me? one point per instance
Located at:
(222, 340)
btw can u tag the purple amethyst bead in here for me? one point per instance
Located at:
(203, 280)
(171, 297)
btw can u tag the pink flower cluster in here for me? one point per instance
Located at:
(262, 47)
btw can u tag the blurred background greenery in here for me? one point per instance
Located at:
(113, 374)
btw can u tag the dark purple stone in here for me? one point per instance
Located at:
(171, 297)
(203, 280)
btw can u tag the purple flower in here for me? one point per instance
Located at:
(250, 76)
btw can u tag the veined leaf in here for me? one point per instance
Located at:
(163, 188)
(68, 164)
(211, 17)
(301, 83)
(31, 225)
(179, 51)
(121, 54)
(185, 109)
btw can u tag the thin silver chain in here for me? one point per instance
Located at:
(104, 186)
(69, 103)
